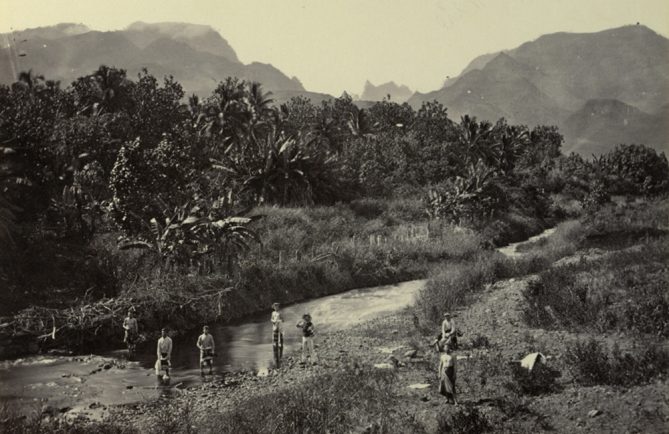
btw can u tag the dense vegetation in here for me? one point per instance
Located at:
(126, 189)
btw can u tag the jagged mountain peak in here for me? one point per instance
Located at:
(397, 93)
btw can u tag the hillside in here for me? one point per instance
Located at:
(551, 79)
(601, 124)
(197, 56)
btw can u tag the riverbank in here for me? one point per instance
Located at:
(306, 253)
(381, 376)
(388, 371)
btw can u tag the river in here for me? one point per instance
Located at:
(87, 384)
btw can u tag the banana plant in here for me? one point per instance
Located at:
(189, 237)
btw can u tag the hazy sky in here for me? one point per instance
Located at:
(332, 45)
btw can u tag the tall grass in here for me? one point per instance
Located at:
(591, 363)
(624, 291)
(347, 400)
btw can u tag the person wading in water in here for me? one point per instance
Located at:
(164, 353)
(206, 345)
(131, 332)
(277, 335)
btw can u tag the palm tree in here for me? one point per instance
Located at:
(33, 82)
(512, 143)
(259, 101)
(112, 84)
(475, 138)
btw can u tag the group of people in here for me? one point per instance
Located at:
(308, 332)
(445, 343)
(205, 342)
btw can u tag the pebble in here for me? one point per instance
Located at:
(384, 366)
(594, 413)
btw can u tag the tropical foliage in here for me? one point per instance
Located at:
(112, 156)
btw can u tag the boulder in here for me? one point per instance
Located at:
(528, 362)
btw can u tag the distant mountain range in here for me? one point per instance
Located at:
(601, 88)
(196, 55)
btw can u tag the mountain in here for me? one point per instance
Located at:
(398, 94)
(199, 37)
(564, 75)
(197, 56)
(601, 124)
(52, 32)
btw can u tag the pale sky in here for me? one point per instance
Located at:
(335, 45)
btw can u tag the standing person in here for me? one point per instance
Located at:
(277, 335)
(307, 338)
(164, 352)
(206, 345)
(449, 333)
(131, 332)
(447, 362)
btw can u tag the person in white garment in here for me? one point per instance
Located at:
(164, 353)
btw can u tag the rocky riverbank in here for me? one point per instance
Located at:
(494, 336)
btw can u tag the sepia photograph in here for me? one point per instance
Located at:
(334, 216)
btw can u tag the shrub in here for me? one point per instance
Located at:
(624, 290)
(480, 341)
(336, 402)
(538, 381)
(13, 422)
(590, 364)
(466, 420)
(368, 208)
(452, 286)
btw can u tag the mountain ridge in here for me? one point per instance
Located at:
(552, 78)
(67, 51)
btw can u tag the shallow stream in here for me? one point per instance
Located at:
(87, 384)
